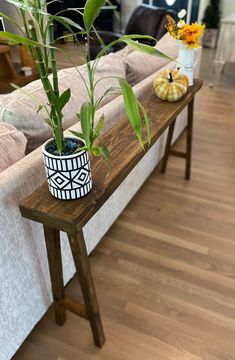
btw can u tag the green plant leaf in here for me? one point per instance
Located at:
(150, 50)
(49, 123)
(95, 150)
(147, 123)
(123, 38)
(54, 1)
(28, 6)
(105, 153)
(99, 127)
(81, 149)
(64, 98)
(91, 11)
(39, 108)
(101, 151)
(131, 108)
(17, 39)
(66, 21)
(17, 4)
(85, 118)
(109, 91)
(135, 37)
(77, 134)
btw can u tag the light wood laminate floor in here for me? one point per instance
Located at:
(165, 272)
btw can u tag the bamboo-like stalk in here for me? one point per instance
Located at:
(91, 83)
(51, 94)
(52, 59)
(58, 132)
(41, 68)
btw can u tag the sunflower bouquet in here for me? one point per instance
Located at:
(189, 34)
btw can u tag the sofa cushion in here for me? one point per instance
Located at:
(139, 65)
(12, 145)
(20, 110)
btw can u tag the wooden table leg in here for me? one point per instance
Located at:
(189, 140)
(52, 238)
(7, 66)
(10, 66)
(78, 247)
(168, 147)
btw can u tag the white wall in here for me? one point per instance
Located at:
(227, 7)
(9, 11)
(202, 6)
(127, 8)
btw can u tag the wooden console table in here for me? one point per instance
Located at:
(70, 216)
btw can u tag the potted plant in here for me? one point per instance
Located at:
(211, 18)
(67, 158)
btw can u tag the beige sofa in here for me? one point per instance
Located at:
(25, 284)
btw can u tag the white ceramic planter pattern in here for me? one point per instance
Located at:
(69, 177)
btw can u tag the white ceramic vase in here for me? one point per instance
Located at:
(69, 177)
(187, 60)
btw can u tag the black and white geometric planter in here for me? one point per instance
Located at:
(69, 177)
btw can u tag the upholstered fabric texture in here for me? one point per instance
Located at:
(139, 65)
(12, 145)
(20, 110)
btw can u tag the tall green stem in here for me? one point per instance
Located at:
(51, 95)
(91, 83)
(52, 59)
(57, 115)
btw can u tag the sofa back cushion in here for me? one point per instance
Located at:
(20, 110)
(12, 145)
(139, 65)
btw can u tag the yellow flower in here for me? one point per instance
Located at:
(171, 26)
(191, 34)
(181, 24)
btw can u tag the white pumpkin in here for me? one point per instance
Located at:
(171, 85)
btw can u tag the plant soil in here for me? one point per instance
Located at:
(71, 145)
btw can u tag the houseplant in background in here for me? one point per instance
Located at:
(211, 18)
(187, 36)
(66, 159)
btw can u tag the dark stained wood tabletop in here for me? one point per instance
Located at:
(125, 151)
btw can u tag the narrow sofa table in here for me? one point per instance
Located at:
(70, 216)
